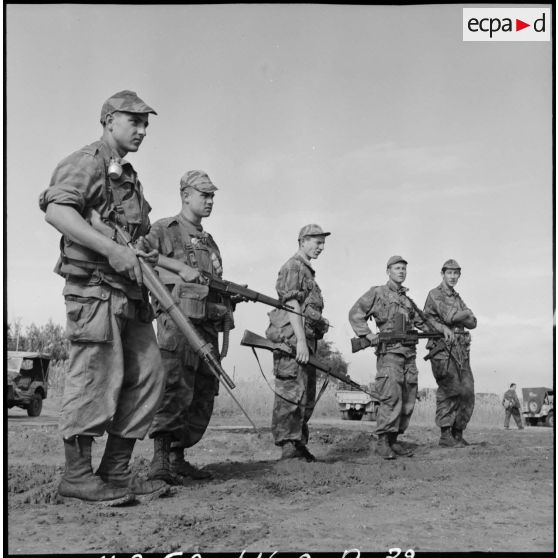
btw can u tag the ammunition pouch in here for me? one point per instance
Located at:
(280, 329)
(315, 322)
(192, 300)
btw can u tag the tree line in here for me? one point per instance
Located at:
(48, 338)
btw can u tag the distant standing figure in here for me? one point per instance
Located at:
(455, 397)
(512, 406)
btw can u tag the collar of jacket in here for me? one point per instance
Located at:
(447, 290)
(109, 153)
(298, 257)
(177, 219)
(399, 289)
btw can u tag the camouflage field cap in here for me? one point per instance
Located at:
(451, 264)
(396, 259)
(312, 230)
(124, 101)
(198, 180)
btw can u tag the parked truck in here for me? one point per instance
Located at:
(356, 405)
(538, 406)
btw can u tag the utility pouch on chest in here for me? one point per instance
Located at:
(192, 299)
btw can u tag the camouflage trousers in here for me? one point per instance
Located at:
(189, 396)
(397, 384)
(455, 397)
(513, 412)
(295, 395)
(114, 382)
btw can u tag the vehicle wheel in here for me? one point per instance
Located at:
(35, 406)
(532, 421)
(533, 406)
(345, 415)
(549, 420)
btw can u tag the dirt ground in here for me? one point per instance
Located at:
(495, 495)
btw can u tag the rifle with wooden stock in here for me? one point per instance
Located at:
(162, 295)
(250, 339)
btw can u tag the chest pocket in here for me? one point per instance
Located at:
(384, 311)
(130, 205)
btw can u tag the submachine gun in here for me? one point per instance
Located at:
(230, 289)
(162, 295)
(250, 339)
(400, 334)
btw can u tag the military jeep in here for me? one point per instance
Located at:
(27, 380)
(538, 406)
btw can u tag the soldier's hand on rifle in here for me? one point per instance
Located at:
(189, 274)
(449, 336)
(302, 353)
(124, 261)
(236, 298)
(144, 250)
(373, 339)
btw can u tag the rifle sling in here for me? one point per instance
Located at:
(297, 404)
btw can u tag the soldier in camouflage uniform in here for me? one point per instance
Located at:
(397, 375)
(114, 381)
(295, 380)
(189, 251)
(455, 397)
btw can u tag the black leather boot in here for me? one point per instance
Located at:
(160, 464)
(179, 466)
(457, 434)
(80, 483)
(115, 470)
(397, 448)
(446, 439)
(383, 449)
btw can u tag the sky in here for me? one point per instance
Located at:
(377, 122)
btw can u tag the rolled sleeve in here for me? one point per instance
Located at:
(77, 181)
(289, 283)
(473, 316)
(361, 312)
(155, 239)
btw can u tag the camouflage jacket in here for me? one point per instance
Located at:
(441, 305)
(296, 281)
(81, 181)
(178, 238)
(382, 303)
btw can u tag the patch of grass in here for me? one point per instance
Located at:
(257, 399)
(488, 411)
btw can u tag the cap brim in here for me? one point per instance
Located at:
(149, 110)
(314, 234)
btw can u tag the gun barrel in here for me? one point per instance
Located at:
(228, 287)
